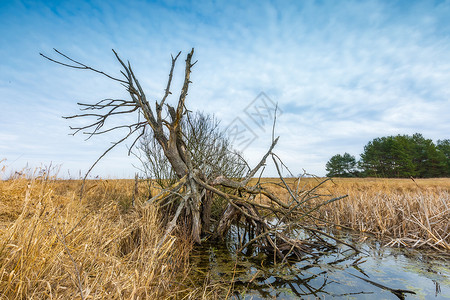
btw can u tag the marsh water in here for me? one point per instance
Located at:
(376, 272)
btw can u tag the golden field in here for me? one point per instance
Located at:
(54, 245)
(400, 212)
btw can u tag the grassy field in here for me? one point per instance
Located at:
(54, 245)
(409, 213)
(400, 212)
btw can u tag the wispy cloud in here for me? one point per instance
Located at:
(343, 72)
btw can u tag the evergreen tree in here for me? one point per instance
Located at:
(405, 156)
(443, 149)
(386, 157)
(426, 157)
(341, 166)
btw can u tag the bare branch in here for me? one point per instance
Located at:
(261, 163)
(101, 156)
(184, 90)
(79, 65)
(169, 82)
(167, 192)
(172, 223)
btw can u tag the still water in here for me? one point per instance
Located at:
(376, 272)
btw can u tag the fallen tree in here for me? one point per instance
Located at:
(269, 221)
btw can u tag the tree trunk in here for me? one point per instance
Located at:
(206, 211)
(226, 219)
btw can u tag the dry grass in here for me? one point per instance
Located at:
(402, 212)
(410, 213)
(53, 246)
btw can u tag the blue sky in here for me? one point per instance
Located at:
(342, 72)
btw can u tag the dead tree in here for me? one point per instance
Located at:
(191, 194)
(210, 151)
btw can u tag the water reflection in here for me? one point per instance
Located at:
(374, 273)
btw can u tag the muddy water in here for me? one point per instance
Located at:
(375, 273)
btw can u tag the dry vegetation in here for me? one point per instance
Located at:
(55, 246)
(401, 212)
(409, 213)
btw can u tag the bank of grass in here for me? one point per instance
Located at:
(400, 212)
(54, 246)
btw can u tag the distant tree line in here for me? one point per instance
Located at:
(395, 156)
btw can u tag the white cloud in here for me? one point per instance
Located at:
(343, 73)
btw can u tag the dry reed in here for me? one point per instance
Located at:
(54, 246)
(402, 212)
